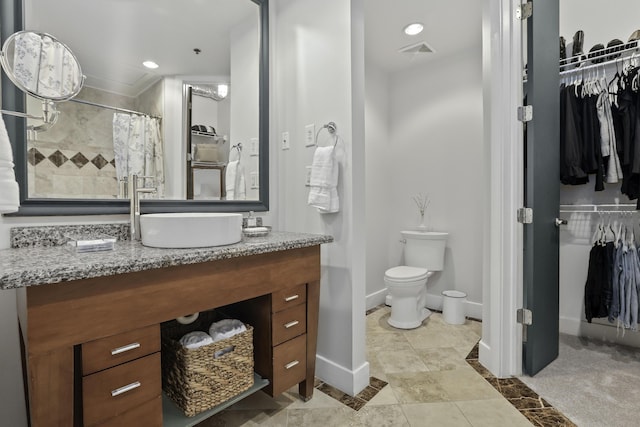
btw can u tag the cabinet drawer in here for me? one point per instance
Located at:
(114, 350)
(148, 414)
(112, 392)
(288, 297)
(289, 364)
(289, 323)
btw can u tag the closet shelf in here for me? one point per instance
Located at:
(590, 56)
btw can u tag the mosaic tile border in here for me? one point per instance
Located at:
(356, 402)
(58, 158)
(537, 410)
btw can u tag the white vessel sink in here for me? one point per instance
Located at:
(190, 230)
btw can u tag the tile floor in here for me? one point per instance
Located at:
(429, 384)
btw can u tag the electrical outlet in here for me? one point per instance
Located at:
(254, 181)
(253, 147)
(309, 135)
(285, 141)
(308, 176)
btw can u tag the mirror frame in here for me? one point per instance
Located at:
(11, 21)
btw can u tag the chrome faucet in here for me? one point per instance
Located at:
(134, 198)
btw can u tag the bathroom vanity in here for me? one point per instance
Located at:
(91, 322)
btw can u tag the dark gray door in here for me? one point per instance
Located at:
(542, 187)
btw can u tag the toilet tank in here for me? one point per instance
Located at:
(425, 249)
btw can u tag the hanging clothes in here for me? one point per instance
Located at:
(571, 142)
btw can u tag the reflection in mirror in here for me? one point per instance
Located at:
(41, 66)
(130, 119)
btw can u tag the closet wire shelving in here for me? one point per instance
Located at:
(569, 64)
(578, 64)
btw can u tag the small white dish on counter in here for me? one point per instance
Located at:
(256, 231)
(190, 229)
(91, 243)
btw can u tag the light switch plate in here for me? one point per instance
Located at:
(255, 183)
(285, 141)
(254, 147)
(309, 135)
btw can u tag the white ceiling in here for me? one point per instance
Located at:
(112, 37)
(450, 27)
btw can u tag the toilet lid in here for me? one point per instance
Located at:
(405, 273)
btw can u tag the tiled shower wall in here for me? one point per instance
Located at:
(74, 158)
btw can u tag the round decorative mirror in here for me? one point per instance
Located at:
(41, 66)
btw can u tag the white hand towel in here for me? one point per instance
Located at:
(240, 184)
(230, 180)
(9, 192)
(235, 182)
(324, 181)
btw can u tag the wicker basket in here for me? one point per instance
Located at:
(196, 380)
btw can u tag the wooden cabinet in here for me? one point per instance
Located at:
(88, 339)
(110, 393)
(111, 351)
(119, 374)
(280, 335)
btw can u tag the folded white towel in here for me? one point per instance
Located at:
(226, 328)
(324, 180)
(195, 339)
(9, 192)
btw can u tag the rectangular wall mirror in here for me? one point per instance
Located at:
(196, 122)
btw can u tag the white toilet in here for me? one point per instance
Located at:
(407, 284)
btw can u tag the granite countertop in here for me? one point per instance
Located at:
(31, 266)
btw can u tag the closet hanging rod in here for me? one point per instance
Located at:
(601, 208)
(109, 107)
(625, 211)
(611, 205)
(573, 69)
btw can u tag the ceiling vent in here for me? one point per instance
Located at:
(420, 47)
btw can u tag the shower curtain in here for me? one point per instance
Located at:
(138, 148)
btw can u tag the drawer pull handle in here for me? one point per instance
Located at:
(291, 298)
(125, 389)
(291, 364)
(291, 324)
(125, 348)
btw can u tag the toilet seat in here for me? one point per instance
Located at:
(404, 274)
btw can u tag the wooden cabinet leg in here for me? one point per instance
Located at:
(305, 388)
(51, 388)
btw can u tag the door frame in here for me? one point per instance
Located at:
(500, 349)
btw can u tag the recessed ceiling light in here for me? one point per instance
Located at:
(413, 29)
(150, 64)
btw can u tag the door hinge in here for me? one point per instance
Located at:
(524, 316)
(525, 215)
(524, 11)
(525, 113)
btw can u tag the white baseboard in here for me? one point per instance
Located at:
(485, 357)
(350, 382)
(377, 298)
(600, 330)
